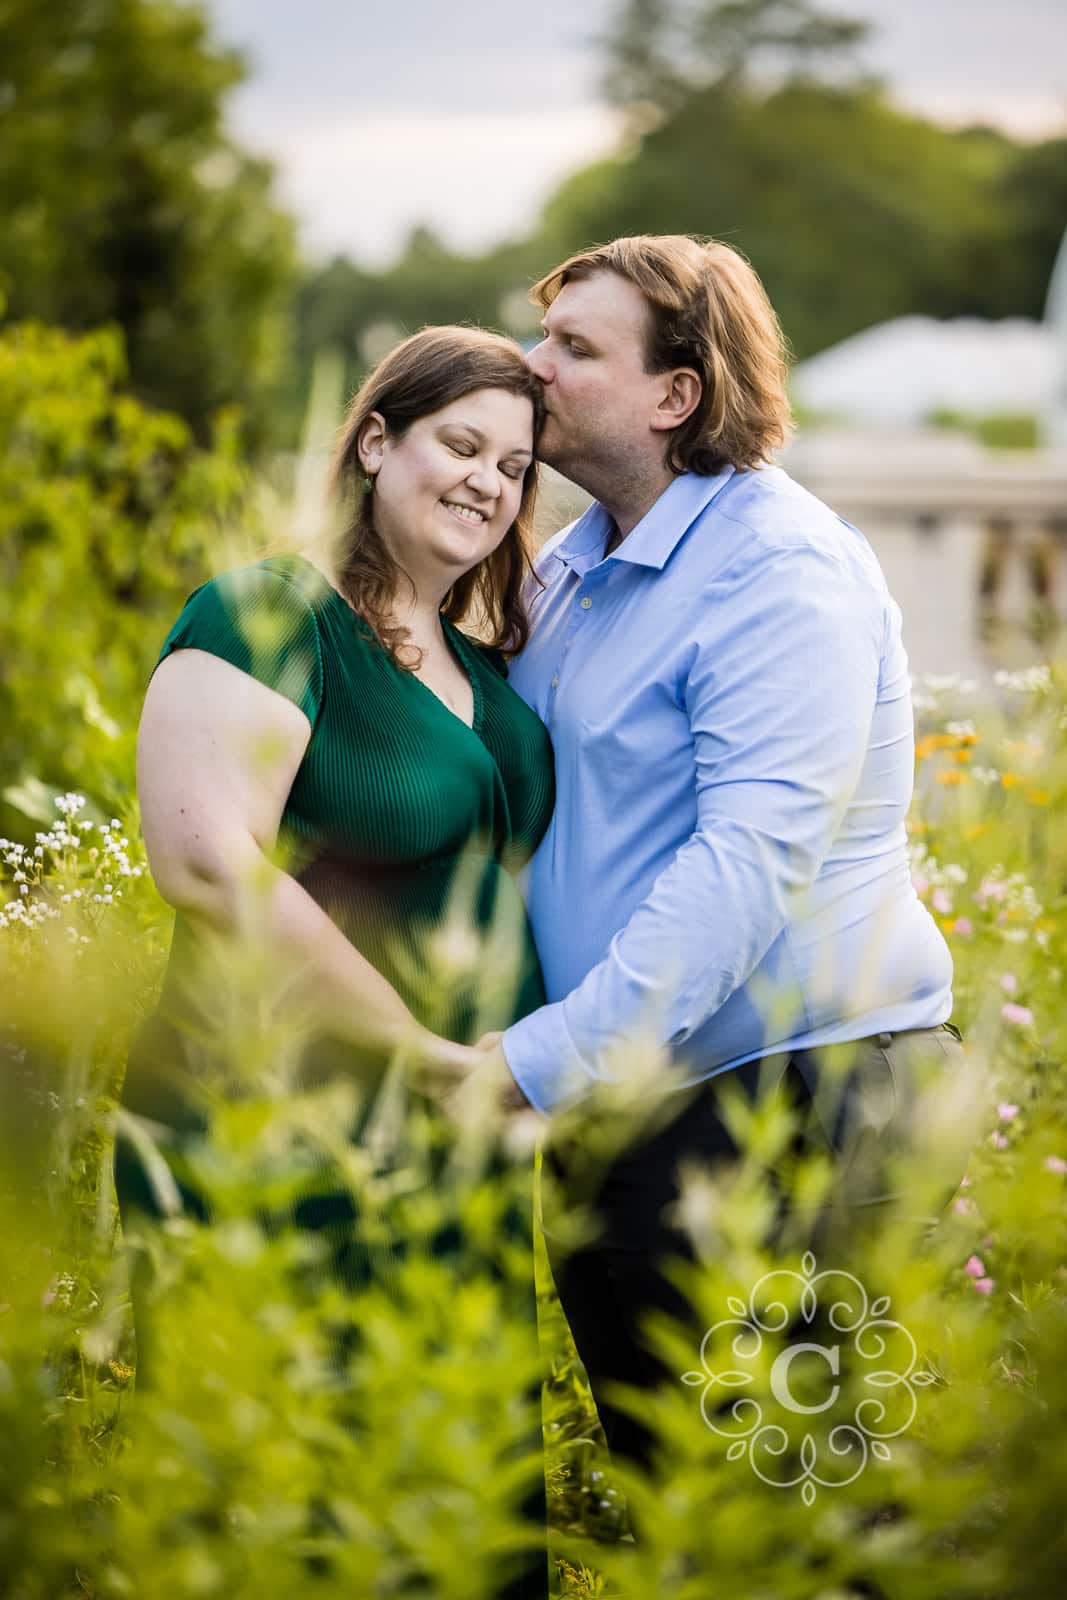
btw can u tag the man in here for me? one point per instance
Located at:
(720, 666)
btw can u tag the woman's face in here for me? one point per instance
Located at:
(446, 493)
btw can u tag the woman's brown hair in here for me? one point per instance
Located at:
(708, 311)
(430, 370)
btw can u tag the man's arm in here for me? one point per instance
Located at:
(780, 696)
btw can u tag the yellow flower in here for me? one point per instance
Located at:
(962, 755)
(1038, 797)
(975, 830)
(1011, 780)
(952, 778)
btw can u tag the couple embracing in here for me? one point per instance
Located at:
(690, 724)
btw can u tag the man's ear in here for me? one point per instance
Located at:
(371, 443)
(682, 391)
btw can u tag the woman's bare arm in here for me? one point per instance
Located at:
(216, 757)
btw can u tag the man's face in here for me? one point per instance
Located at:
(599, 397)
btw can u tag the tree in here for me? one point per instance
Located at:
(109, 516)
(662, 51)
(124, 201)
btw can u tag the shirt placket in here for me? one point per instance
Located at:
(585, 603)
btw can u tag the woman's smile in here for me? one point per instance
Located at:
(465, 513)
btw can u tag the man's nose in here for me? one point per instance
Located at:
(538, 362)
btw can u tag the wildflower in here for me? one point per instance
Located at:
(984, 1285)
(964, 1206)
(941, 901)
(1038, 797)
(1055, 1164)
(952, 777)
(975, 1267)
(1034, 680)
(1009, 983)
(998, 1140)
(1019, 1016)
(1011, 780)
(1007, 1112)
(963, 926)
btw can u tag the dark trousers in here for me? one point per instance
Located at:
(856, 1102)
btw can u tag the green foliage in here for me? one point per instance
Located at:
(109, 516)
(124, 201)
(660, 52)
(306, 1435)
(1002, 431)
(851, 210)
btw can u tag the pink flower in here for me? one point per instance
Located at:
(975, 1267)
(984, 1285)
(963, 926)
(998, 1140)
(1021, 1016)
(1007, 1112)
(964, 1207)
(991, 889)
(920, 884)
(1009, 983)
(965, 1181)
(1055, 1164)
(941, 901)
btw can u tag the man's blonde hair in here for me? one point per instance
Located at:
(707, 310)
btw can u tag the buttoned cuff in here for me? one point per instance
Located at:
(543, 1060)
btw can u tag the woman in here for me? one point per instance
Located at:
(334, 706)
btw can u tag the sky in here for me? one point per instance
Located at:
(466, 116)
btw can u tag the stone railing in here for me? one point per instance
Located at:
(973, 542)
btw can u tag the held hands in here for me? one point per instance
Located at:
(471, 1084)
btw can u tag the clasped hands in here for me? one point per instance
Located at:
(471, 1083)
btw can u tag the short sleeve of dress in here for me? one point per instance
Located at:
(261, 622)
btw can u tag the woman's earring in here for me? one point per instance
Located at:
(368, 483)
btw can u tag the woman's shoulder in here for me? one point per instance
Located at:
(262, 618)
(277, 579)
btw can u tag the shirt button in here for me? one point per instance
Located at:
(555, 681)
(585, 603)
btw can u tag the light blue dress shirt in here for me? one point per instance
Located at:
(726, 872)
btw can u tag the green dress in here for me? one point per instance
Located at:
(403, 823)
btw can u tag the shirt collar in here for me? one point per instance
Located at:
(652, 542)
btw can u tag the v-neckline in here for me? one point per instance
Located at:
(453, 636)
(459, 650)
